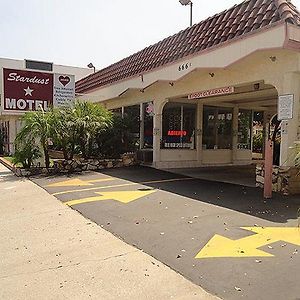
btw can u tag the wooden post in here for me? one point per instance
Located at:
(268, 169)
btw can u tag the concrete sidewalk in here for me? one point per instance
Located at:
(49, 251)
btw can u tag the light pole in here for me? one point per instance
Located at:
(91, 66)
(188, 2)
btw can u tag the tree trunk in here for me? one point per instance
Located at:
(46, 154)
(65, 153)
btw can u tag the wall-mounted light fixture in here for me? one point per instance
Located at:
(211, 74)
(256, 86)
(142, 77)
(171, 83)
(273, 58)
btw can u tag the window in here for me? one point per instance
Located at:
(38, 65)
(244, 131)
(217, 127)
(117, 111)
(178, 126)
(132, 121)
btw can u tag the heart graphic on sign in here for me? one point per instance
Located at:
(64, 80)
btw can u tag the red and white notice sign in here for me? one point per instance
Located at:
(27, 90)
(213, 92)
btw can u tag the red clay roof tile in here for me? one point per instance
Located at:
(249, 16)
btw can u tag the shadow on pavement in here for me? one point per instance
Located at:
(7, 176)
(243, 199)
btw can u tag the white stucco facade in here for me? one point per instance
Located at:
(260, 66)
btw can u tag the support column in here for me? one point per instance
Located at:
(290, 129)
(266, 130)
(235, 131)
(199, 133)
(157, 129)
(142, 127)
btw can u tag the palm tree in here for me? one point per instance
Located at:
(89, 120)
(63, 131)
(36, 125)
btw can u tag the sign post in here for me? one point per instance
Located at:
(268, 169)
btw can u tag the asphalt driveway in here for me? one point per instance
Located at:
(223, 237)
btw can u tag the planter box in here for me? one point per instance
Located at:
(285, 180)
(78, 165)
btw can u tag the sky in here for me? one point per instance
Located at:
(77, 32)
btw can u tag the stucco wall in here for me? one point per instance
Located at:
(178, 155)
(218, 156)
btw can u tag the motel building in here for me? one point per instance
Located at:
(28, 85)
(194, 94)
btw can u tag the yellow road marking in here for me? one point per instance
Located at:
(121, 196)
(220, 246)
(122, 185)
(78, 182)
(100, 180)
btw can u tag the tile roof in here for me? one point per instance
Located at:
(249, 16)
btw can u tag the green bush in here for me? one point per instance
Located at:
(72, 129)
(1, 142)
(116, 139)
(258, 142)
(26, 153)
(297, 159)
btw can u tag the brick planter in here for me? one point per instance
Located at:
(285, 180)
(78, 165)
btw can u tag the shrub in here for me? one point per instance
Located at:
(258, 142)
(1, 142)
(36, 127)
(26, 153)
(116, 139)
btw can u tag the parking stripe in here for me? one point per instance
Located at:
(124, 184)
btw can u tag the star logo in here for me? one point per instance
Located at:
(28, 91)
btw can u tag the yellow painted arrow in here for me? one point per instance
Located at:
(121, 196)
(78, 182)
(287, 234)
(220, 246)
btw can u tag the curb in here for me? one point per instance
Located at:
(7, 164)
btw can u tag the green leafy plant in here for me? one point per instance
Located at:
(88, 120)
(26, 152)
(117, 139)
(258, 142)
(1, 142)
(63, 131)
(72, 130)
(297, 159)
(36, 127)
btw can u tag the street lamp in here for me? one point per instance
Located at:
(91, 66)
(188, 2)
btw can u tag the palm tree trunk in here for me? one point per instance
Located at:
(46, 154)
(65, 152)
